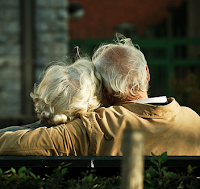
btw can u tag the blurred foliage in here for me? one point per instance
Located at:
(187, 90)
(155, 177)
(159, 177)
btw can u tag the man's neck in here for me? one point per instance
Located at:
(138, 95)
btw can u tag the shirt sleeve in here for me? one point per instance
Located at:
(70, 139)
(62, 140)
(27, 143)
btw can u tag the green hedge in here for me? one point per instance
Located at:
(156, 177)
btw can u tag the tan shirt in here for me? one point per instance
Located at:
(168, 128)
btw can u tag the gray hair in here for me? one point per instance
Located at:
(122, 66)
(67, 91)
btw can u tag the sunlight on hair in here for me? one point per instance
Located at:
(67, 91)
(122, 66)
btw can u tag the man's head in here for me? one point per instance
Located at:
(67, 91)
(123, 69)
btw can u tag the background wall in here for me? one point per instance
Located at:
(103, 18)
(10, 58)
(32, 34)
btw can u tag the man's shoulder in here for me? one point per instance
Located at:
(189, 111)
(111, 109)
(113, 112)
(73, 123)
(184, 109)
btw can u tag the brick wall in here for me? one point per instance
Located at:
(50, 43)
(51, 35)
(102, 17)
(10, 71)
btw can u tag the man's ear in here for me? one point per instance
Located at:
(148, 74)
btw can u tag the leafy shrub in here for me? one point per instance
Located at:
(187, 89)
(160, 178)
(156, 177)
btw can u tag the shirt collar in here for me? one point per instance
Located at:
(147, 110)
(159, 100)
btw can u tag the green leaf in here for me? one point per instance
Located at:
(171, 174)
(90, 177)
(64, 171)
(164, 169)
(151, 171)
(8, 171)
(1, 171)
(84, 179)
(154, 161)
(47, 175)
(13, 170)
(163, 157)
(57, 169)
(154, 156)
(148, 176)
(22, 169)
(191, 169)
(33, 175)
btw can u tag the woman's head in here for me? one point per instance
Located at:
(67, 91)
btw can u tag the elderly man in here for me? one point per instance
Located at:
(166, 125)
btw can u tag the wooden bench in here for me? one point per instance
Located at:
(104, 165)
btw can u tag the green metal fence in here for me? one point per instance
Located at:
(166, 57)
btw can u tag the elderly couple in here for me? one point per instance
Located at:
(72, 123)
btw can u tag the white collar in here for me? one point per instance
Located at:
(161, 99)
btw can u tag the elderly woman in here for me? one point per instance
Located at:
(65, 93)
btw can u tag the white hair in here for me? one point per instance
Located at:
(67, 91)
(122, 67)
